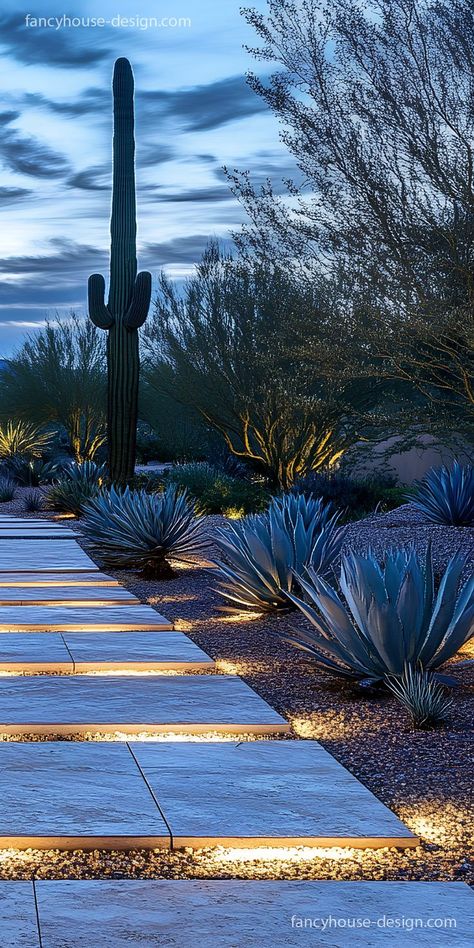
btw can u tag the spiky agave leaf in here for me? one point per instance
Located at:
(136, 530)
(446, 495)
(7, 489)
(262, 553)
(389, 618)
(422, 695)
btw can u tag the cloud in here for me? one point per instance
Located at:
(204, 107)
(98, 178)
(67, 257)
(48, 46)
(183, 250)
(13, 195)
(205, 195)
(26, 154)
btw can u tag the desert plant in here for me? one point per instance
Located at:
(129, 294)
(395, 616)
(22, 438)
(7, 489)
(262, 554)
(79, 484)
(215, 491)
(422, 695)
(30, 472)
(33, 501)
(446, 495)
(136, 530)
(356, 498)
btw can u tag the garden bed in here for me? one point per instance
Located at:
(424, 777)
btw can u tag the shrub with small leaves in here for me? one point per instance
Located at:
(215, 491)
(423, 696)
(7, 489)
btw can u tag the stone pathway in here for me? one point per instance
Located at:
(234, 914)
(61, 615)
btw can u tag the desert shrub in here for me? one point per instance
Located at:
(18, 437)
(31, 472)
(7, 489)
(79, 484)
(261, 555)
(136, 530)
(216, 492)
(446, 495)
(392, 616)
(356, 498)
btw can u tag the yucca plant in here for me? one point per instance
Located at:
(394, 616)
(423, 696)
(18, 437)
(140, 531)
(30, 472)
(79, 484)
(7, 489)
(446, 495)
(262, 554)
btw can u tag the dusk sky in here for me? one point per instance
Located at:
(194, 113)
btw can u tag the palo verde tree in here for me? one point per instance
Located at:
(129, 293)
(375, 99)
(253, 352)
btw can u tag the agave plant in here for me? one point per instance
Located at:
(79, 484)
(136, 530)
(395, 617)
(446, 496)
(22, 438)
(262, 554)
(30, 472)
(423, 696)
(33, 501)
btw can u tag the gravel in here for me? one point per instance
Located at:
(423, 776)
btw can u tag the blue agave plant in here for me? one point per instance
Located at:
(262, 553)
(136, 530)
(393, 616)
(447, 496)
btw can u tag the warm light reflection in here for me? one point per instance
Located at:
(182, 625)
(435, 821)
(234, 513)
(278, 854)
(180, 597)
(226, 667)
(216, 736)
(329, 725)
(241, 617)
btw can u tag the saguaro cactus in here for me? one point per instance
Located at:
(129, 293)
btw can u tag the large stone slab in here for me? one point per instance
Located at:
(142, 651)
(277, 792)
(35, 652)
(35, 556)
(66, 794)
(20, 532)
(252, 914)
(18, 921)
(39, 580)
(63, 596)
(193, 704)
(81, 619)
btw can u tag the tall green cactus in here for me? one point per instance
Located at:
(129, 293)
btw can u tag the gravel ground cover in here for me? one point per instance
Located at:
(424, 777)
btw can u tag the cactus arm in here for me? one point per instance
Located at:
(137, 312)
(98, 311)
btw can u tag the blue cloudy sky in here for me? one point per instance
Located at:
(194, 114)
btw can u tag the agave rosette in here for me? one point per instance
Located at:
(391, 617)
(447, 495)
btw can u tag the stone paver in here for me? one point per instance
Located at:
(7, 534)
(63, 596)
(43, 579)
(247, 914)
(44, 555)
(87, 652)
(68, 794)
(34, 652)
(69, 705)
(140, 650)
(276, 791)
(18, 921)
(81, 619)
